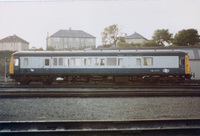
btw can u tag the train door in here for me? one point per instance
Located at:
(16, 65)
(47, 65)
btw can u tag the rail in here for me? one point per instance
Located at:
(106, 126)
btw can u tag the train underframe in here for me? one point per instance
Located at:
(129, 79)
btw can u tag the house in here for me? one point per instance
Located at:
(135, 38)
(71, 39)
(13, 43)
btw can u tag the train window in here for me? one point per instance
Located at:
(46, 62)
(138, 62)
(89, 61)
(75, 61)
(66, 62)
(120, 62)
(102, 62)
(182, 61)
(55, 61)
(96, 61)
(111, 61)
(84, 62)
(25, 61)
(148, 61)
(60, 61)
(16, 62)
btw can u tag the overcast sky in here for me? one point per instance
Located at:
(34, 19)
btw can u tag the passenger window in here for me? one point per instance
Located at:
(75, 62)
(96, 61)
(46, 62)
(120, 62)
(66, 62)
(55, 61)
(182, 62)
(89, 61)
(84, 62)
(25, 61)
(102, 62)
(60, 61)
(138, 62)
(111, 61)
(16, 62)
(148, 61)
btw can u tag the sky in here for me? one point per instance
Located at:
(33, 20)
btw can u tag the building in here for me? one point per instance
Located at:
(135, 38)
(71, 39)
(13, 43)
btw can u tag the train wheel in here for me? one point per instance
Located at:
(47, 81)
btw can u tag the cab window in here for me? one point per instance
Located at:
(16, 62)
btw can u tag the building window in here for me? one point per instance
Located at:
(60, 61)
(70, 39)
(111, 61)
(90, 40)
(55, 61)
(56, 39)
(138, 62)
(25, 61)
(77, 39)
(65, 39)
(148, 61)
(46, 62)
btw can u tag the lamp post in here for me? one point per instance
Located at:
(5, 69)
(6, 60)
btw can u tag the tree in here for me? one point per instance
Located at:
(35, 49)
(110, 35)
(161, 36)
(50, 48)
(149, 43)
(188, 37)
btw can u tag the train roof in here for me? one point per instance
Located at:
(99, 53)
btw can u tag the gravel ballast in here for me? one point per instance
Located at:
(99, 108)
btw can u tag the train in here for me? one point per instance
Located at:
(99, 66)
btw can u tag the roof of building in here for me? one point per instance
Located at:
(72, 34)
(13, 38)
(136, 36)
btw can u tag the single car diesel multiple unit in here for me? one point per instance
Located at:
(99, 66)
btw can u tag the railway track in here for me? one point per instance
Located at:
(80, 127)
(195, 85)
(27, 93)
